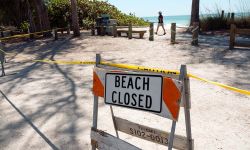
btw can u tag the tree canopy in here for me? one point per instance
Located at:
(44, 14)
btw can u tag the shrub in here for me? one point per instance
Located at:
(217, 22)
(59, 13)
(24, 26)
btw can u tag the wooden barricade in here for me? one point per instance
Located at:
(164, 94)
(233, 31)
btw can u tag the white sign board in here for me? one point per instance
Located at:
(135, 91)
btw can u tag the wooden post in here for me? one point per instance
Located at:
(2, 58)
(102, 30)
(95, 108)
(173, 32)
(232, 18)
(151, 32)
(2, 35)
(31, 34)
(45, 34)
(195, 34)
(228, 16)
(171, 136)
(187, 106)
(68, 29)
(130, 31)
(222, 14)
(115, 30)
(232, 36)
(113, 119)
(55, 34)
(92, 29)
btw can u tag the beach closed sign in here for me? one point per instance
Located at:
(135, 91)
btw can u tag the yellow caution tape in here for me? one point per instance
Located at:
(26, 35)
(23, 35)
(15, 36)
(133, 67)
(245, 92)
(67, 62)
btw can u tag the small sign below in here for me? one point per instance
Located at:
(135, 91)
(150, 134)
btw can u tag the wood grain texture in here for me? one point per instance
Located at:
(149, 134)
(105, 141)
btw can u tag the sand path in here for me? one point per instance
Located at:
(52, 104)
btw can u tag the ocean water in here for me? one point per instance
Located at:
(181, 20)
(184, 20)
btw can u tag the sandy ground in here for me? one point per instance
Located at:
(50, 106)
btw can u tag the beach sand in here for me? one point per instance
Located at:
(52, 104)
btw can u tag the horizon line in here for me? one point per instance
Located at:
(190, 15)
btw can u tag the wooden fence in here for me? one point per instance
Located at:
(233, 31)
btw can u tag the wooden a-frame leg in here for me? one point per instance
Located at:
(187, 106)
(113, 119)
(171, 136)
(95, 108)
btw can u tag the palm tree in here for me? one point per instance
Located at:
(195, 11)
(74, 15)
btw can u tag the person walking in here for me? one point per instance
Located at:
(160, 23)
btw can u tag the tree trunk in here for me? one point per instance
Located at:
(32, 27)
(42, 18)
(74, 15)
(195, 12)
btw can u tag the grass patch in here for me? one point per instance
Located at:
(213, 22)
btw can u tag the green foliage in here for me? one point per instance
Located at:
(87, 23)
(243, 21)
(24, 26)
(213, 22)
(217, 22)
(59, 13)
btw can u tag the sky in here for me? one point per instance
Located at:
(144, 8)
